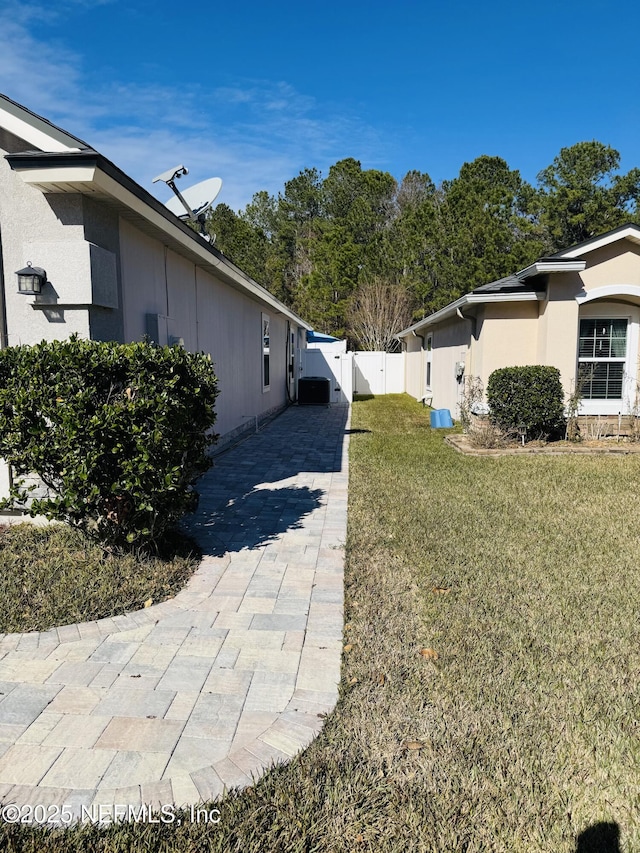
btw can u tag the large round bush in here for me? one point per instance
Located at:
(116, 434)
(529, 397)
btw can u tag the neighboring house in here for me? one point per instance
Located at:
(121, 266)
(578, 310)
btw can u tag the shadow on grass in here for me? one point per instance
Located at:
(599, 838)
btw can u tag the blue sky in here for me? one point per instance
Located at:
(254, 91)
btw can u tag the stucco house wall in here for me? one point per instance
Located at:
(207, 315)
(414, 367)
(31, 231)
(508, 334)
(451, 341)
(120, 267)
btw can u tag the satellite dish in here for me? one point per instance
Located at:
(194, 202)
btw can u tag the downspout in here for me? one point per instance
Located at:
(472, 320)
(288, 364)
(474, 335)
(4, 329)
(416, 335)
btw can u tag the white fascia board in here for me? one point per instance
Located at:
(35, 131)
(631, 232)
(92, 180)
(470, 299)
(527, 296)
(551, 266)
(47, 176)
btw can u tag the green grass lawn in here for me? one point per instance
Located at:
(517, 729)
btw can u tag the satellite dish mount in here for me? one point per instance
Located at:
(195, 202)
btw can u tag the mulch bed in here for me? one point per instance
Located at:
(623, 447)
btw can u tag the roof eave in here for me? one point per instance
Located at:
(442, 314)
(89, 173)
(470, 299)
(524, 296)
(544, 267)
(630, 231)
(36, 130)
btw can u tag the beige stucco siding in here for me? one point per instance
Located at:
(508, 332)
(414, 362)
(209, 316)
(508, 337)
(450, 346)
(32, 229)
(610, 265)
(608, 271)
(558, 328)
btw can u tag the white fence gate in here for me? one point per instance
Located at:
(378, 373)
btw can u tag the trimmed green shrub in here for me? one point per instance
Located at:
(529, 397)
(117, 433)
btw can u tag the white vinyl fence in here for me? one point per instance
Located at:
(354, 372)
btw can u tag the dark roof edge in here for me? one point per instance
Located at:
(508, 284)
(41, 123)
(586, 243)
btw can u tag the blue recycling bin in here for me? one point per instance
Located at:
(441, 419)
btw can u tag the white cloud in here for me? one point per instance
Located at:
(254, 134)
(38, 74)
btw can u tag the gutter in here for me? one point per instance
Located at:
(547, 265)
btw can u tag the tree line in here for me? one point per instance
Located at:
(355, 250)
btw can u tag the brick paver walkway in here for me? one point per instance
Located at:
(176, 702)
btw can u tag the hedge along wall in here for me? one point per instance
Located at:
(118, 434)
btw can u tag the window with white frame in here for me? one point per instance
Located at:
(429, 351)
(602, 354)
(265, 352)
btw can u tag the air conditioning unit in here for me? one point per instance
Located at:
(314, 391)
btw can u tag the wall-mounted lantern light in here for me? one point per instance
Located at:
(31, 279)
